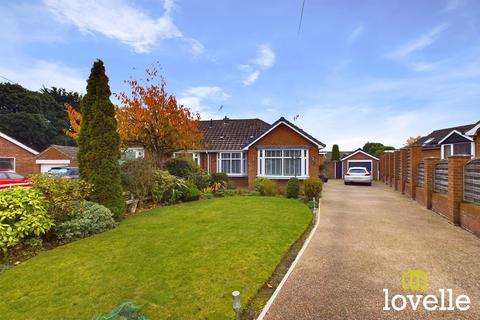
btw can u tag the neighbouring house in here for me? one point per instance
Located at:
(15, 156)
(56, 156)
(450, 141)
(245, 149)
(360, 158)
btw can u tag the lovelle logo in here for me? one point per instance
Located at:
(418, 280)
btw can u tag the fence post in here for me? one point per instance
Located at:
(456, 164)
(396, 169)
(429, 176)
(403, 169)
(415, 158)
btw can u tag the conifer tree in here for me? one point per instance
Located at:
(99, 142)
(335, 153)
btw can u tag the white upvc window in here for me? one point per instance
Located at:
(457, 148)
(196, 158)
(284, 163)
(232, 163)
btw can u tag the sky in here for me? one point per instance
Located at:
(352, 72)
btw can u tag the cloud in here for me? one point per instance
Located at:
(204, 99)
(355, 34)
(265, 56)
(420, 43)
(421, 66)
(118, 19)
(38, 73)
(251, 78)
(264, 59)
(452, 5)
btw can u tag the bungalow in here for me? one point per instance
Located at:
(15, 156)
(245, 149)
(449, 141)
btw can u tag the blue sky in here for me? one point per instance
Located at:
(357, 71)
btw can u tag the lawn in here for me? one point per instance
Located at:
(176, 262)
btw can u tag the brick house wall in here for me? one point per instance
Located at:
(282, 136)
(24, 160)
(361, 156)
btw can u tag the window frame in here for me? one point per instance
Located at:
(304, 163)
(14, 164)
(243, 163)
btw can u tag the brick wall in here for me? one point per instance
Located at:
(440, 203)
(470, 217)
(426, 153)
(456, 165)
(24, 160)
(477, 144)
(282, 136)
(420, 195)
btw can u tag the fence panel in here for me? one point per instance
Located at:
(471, 191)
(441, 176)
(407, 178)
(420, 174)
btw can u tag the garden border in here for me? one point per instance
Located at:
(266, 308)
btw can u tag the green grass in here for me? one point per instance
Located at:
(176, 262)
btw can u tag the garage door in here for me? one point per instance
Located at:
(46, 167)
(364, 164)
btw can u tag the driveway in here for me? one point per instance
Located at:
(367, 237)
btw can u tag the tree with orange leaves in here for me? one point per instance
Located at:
(74, 118)
(152, 118)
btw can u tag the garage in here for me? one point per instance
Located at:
(56, 156)
(360, 158)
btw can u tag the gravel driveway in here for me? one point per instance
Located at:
(366, 239)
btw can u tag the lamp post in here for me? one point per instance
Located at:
(236, 304)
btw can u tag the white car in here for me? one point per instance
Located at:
(357, 175)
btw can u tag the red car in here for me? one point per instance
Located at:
(12, 179)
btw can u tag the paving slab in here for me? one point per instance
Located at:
(366, 239)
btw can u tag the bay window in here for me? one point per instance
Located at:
(232, 163)
(283, 163)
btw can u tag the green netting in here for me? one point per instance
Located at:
(126, 310)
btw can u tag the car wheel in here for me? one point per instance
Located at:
(345, 182)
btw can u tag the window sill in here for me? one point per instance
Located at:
(283, 177)
(232, 175)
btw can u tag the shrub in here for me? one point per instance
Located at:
(293, 188)
(201, 179)
(87, 219)
(265, 186)
(61, 194)
(181, 167)
(219, 177)
(190, 192)
(137, 178)
(167, 188)
(23, 214)
(313, 188)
